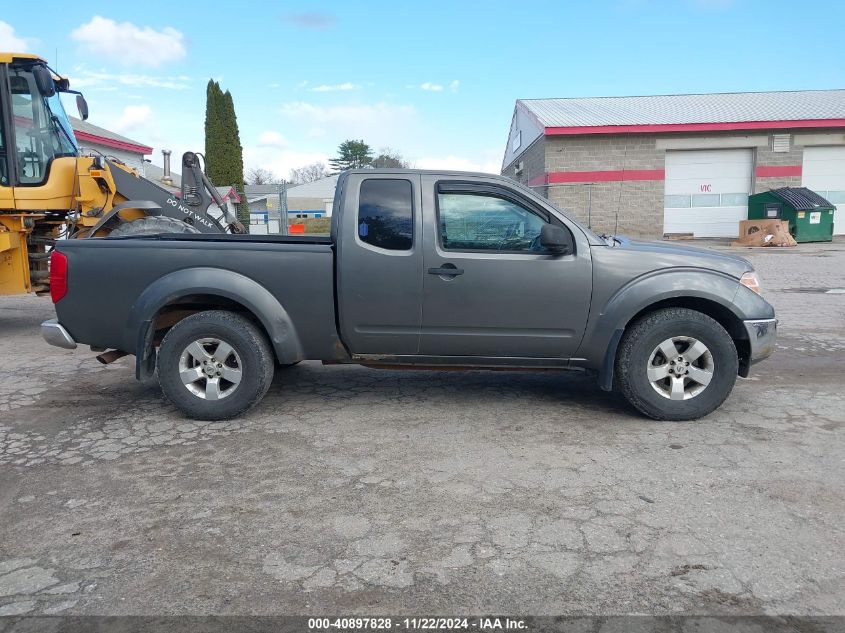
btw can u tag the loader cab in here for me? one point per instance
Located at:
(34, 128)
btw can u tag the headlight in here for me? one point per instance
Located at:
(751, 281)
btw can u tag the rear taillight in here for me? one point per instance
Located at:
(58, 276)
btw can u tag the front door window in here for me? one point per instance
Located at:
(476, 222)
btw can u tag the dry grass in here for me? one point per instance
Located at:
(314, 226)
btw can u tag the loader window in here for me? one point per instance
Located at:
(40, 135)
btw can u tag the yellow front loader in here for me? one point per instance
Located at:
(50, 191)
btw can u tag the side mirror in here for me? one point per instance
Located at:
(82, 106)
(44, 80)
(556, 239)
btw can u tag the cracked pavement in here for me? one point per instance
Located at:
(350, 490)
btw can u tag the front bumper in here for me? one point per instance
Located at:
(53, 332)
(762, 335)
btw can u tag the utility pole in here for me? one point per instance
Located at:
(282, 189)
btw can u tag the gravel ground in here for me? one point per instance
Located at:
(351, 490)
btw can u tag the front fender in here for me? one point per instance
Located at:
(216, 282)
(607, 322)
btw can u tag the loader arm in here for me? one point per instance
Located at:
(50, 190)
(136, 197)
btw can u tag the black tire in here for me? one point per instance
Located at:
(152, 225)
(253, 356)
(642, 339)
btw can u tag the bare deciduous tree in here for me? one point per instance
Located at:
(308, 173)
(390, 158)
(261, 176)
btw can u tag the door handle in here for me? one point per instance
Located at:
(447, 270)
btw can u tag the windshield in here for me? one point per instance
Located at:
(56, 106)
(42, 129)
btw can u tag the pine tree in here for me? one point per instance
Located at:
(223, 149)
(352, 155)
(215, 141)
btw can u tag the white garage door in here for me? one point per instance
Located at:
(824, 173)
(707, 191)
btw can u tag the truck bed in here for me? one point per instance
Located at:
(108, 279)
(227, 237)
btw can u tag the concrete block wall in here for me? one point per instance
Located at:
(765, 157)
(766, 183)
(602, 152)
(629, 207)
(533, 162)
(633, 207)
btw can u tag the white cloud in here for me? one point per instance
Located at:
(271, 138)
(273, 152)
(133, 117)
(135, 121)
(335, 87)
(130, 44)
(280, 162)
(457, 163)
(429, 86)
(101, 80)
(379, 123)
(11, 42)
(344, 113)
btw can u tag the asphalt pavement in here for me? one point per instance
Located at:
(351, 490)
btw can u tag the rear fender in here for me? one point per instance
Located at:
(215, 282)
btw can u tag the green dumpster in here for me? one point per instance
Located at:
(809, 215)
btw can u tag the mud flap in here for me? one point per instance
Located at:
(145, 353)
(609, 365)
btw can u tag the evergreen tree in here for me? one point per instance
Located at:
(352, 155)
(223, 149)
(214, 135)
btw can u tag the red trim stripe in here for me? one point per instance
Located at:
(613, 175)
(110, 142)
(778, 171)
(692, 127)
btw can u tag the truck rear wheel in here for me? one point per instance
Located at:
(676, 364)
(215, 365)
(152, 225)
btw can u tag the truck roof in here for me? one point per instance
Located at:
(437, 172)
(6, 58)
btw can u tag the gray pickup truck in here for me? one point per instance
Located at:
(422, 270)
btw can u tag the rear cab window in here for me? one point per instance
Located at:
(386, 213)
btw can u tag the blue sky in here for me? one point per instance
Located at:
(434, 80)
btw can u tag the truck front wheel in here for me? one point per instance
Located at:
(676, 364)
(215, 365)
